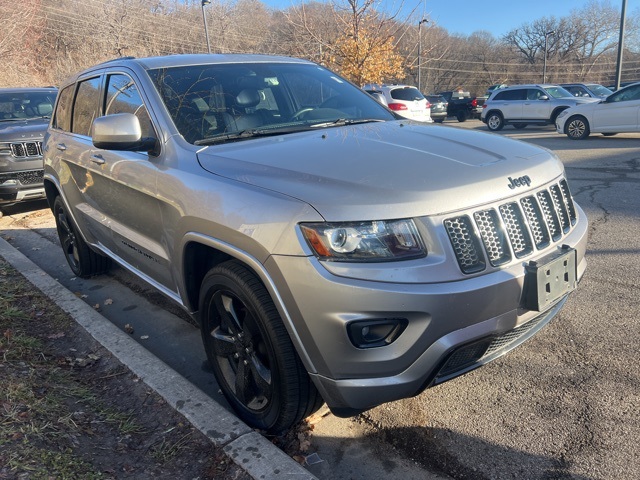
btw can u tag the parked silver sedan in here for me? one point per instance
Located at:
(617, 113)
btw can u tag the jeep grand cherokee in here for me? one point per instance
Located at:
(24, 116)
(330, 251)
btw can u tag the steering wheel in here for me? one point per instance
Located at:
(299, 115)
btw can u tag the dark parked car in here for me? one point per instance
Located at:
(438, 108)
(24, 117)
(592, 90)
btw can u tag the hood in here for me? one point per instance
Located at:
(385, 170)
(23, 130)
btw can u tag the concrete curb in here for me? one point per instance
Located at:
(245, 447)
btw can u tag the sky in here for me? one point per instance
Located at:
(495, 16)
(467, 16)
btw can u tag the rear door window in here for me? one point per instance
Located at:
(511, 95)
(86, 107)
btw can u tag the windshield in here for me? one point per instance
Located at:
(557, 92)
(222, 100)
(599, 90)
(25, 105)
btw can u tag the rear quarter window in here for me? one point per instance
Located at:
(62, 116)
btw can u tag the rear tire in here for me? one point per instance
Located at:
(253, 358)
(577, 128)
(83, 261)
(495, 121)
(461, 116)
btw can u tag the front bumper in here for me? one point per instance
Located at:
(451, 327)
(19, 186)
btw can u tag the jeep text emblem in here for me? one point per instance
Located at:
(519, 182)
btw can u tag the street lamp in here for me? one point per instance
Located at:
(424, 20)
(204, 19)
(544, 68)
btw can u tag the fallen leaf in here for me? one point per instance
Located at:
(108, 301)
(128, 328)
(56, 335)
(96, 306)
(144, 337)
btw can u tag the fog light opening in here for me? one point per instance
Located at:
(377, 332)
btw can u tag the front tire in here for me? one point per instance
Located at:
(577, 128)
(83, 261)
(252, 356)
(495, 122)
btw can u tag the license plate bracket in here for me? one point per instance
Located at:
(549, 279)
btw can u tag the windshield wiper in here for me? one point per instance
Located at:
(251, 133)
(346, 121)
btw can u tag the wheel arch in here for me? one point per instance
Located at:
(557, 112)
(201, 253)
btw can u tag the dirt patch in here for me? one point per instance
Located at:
(68, 409)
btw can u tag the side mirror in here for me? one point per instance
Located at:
(120, 131)
(543, 97)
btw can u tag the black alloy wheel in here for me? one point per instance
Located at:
(83, 261)
(251, 353)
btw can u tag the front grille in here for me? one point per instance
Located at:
(26, 149)
(512, 230)
(27, 177)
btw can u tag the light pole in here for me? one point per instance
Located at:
(544, 68)
(204, 19)
(424, 20)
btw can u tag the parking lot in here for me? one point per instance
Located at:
(563, 405)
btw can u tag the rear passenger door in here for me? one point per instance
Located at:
(510, 103)
(535, 108)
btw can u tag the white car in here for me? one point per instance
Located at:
(405, 100)
(617, 113)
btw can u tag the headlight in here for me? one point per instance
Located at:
(365, 241)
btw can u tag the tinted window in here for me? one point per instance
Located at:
(627, 94)
(408, 94)
(515, 94)
(62, 118)
(86, 106)
(557, 92)
(123, 97)
(25, 105)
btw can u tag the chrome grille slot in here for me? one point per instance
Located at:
(26, 149)
(465, 244)
(558, 202)
(550, 214)
(566, 195)
(493, 236)
(536, 222)
(514, 229)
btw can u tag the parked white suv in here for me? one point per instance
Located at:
(405, 100)
(521, 105)
(329, 251)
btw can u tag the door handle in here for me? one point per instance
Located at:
(97, 159)
(61, 146)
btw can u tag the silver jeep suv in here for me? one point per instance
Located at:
(24, 117)
(329, 251)
(521, 105)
